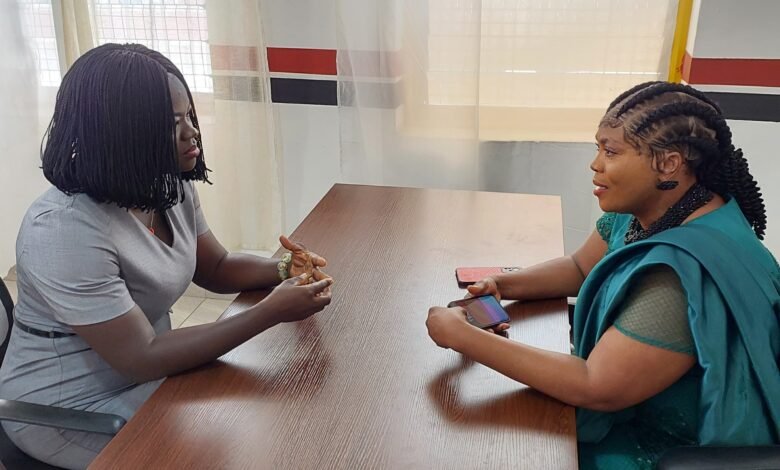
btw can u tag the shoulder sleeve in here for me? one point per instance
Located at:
(604, 225)
(655, 312)
(72, 267)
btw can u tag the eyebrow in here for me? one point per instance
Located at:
(605, 141)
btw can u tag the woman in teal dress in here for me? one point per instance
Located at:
(676, 335)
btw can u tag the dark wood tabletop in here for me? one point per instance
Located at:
(360, 384)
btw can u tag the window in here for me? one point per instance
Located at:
(533, 60)
(176, 28)
(37, 20)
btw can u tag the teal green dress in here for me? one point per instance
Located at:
(732, 286)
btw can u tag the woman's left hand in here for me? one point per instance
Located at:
(447, 325)
(304, 261)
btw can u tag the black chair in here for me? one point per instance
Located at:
(51, 416)
(715, 458)
(721, 458)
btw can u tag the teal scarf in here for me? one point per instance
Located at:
(732, 284)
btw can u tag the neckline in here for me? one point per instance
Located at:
(146, 230)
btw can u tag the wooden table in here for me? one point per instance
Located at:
(360, 385)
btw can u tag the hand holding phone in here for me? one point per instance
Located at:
(483, 311)
(485, 286)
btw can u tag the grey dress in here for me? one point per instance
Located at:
(80, 262)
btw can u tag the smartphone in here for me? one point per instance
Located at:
(483, 311)
(468, 276)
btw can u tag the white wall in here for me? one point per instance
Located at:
(560, 169)
(759, 141)
(736, 29)
(310, 149)
(746, 29)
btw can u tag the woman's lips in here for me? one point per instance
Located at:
(192, 152)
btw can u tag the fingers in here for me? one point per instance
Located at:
(322, 299)
(477, 288)
(300, 280)
(482, 287)
(319, 286)
(317, 260)
(298, 260)
(461, 310)
(289, 245)
(500, 329)
(320, 276)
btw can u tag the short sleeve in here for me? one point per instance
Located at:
(201, 226)
(604, 225)
(655, 312)
(72, 268)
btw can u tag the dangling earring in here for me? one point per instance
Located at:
(666, 185)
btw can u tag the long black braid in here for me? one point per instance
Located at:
(668, 116)
(112, 133)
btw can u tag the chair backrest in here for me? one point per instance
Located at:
(8, 309)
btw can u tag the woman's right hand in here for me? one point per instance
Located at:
(485, 286)
(295, 300)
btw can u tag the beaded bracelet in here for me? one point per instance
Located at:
(283, 266)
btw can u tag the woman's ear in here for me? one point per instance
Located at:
(670, 163)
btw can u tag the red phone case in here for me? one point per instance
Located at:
(471, 275)
(467, 276)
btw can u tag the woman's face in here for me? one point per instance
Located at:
(624, 179)
(186, 134)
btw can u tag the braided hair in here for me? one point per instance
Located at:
(112, 135)
(659, 117)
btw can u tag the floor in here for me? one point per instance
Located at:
(195, 307)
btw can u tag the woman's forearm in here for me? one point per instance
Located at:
(178, 350)
(561, 376)
(238, 272)
(559, 277)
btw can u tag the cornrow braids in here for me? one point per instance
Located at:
(676, 108)
(111, 135)
(630, 92)
(659, 88)
(658, 117)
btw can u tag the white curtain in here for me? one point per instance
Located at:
(424, 83)
(244, 206)
(21, 180)
(382, 63)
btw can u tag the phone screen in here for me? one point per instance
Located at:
(483, 311)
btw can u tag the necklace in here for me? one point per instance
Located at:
(151, 224)
(696, 197)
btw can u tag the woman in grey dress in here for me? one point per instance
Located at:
(106, 251)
